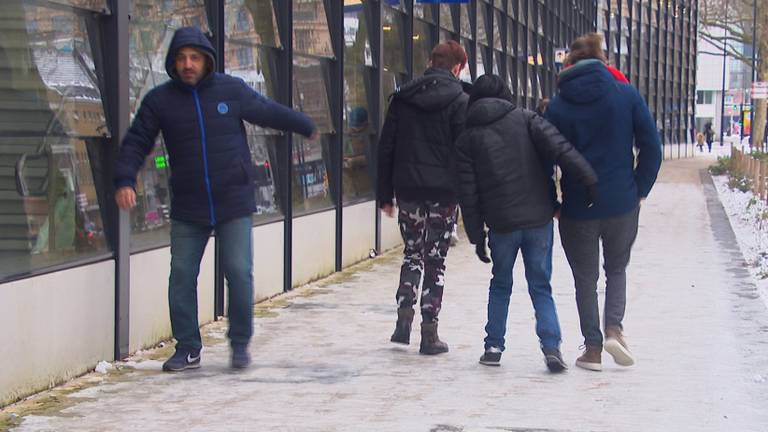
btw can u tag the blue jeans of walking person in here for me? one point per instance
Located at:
(536, 247)
(188, 241)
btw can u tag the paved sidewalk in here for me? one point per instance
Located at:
(323, 361)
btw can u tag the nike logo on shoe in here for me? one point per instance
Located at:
(191, 359)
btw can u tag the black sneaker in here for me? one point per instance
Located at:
(182, 359)
(241, 358)
(554, 360)
(491, 357)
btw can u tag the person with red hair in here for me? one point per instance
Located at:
(416, 166)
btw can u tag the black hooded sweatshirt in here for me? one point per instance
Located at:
(416, 149)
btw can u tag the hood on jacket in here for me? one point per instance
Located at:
(585, 82)
(431, 92)
(487, 110)
(187, 37)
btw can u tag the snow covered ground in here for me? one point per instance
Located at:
(323, 361)
(749, 219)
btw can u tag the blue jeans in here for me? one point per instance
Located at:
(536, 246)
(188, 241)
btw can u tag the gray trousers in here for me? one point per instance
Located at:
(581, 242)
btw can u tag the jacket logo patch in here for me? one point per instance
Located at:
(223, 108)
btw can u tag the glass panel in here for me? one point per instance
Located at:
(511, 46)
(389, 83)
(446, 35)
(359, 134)
(480, 64)
(512, 76)
(482, 21)
(256, 66)
(466, 73)
(446, 18)
(251, 22)
(425, 12)
(311, 185)
(310, 29)
(422, 46)
(497, 30)
(498, 59)
(357, 44)
(359, 129)
(96, 5)
(51, 115)
(392, 24)
(151, 28)
(466, 28)
(396, 4)
(540, 20)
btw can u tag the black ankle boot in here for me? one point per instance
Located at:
(430, 341)
(402, 332)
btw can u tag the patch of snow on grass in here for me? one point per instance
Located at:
(749, 219)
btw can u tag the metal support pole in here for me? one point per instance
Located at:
(117, 73)
(722, 95)
(337, 150)
(377, 37)
(284, 11)
(217, 28)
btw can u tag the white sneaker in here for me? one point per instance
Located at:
(616, 346)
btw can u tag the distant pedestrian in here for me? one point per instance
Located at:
(416, 166)
(700, 141)
(603, 118)
(505, 159)
(709, 134)
(200, 114)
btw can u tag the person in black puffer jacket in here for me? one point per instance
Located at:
(416, 165)
(505, 161)
(200, 114)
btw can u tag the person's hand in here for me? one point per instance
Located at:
(389, 210)
(315, 137)
(125, 198)
(481, 251)
(592, 195)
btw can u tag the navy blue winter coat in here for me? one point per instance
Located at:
(211, 169)
(603, 118)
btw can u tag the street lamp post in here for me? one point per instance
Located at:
(754, 74)
(722, 94)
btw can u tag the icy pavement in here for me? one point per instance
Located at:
(323, 361)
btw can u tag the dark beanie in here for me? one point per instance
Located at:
(490, 86)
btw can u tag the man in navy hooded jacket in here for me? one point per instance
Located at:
(603, 119)
(201, 113)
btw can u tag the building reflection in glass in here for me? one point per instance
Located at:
(359, 129)
(51, 112)
(152, 26)
(250, 48)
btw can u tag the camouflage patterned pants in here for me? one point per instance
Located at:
(426, 230)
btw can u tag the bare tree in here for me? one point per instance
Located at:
(728, 24)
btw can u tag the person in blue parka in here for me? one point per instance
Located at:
(200, 113)
(605, 120)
